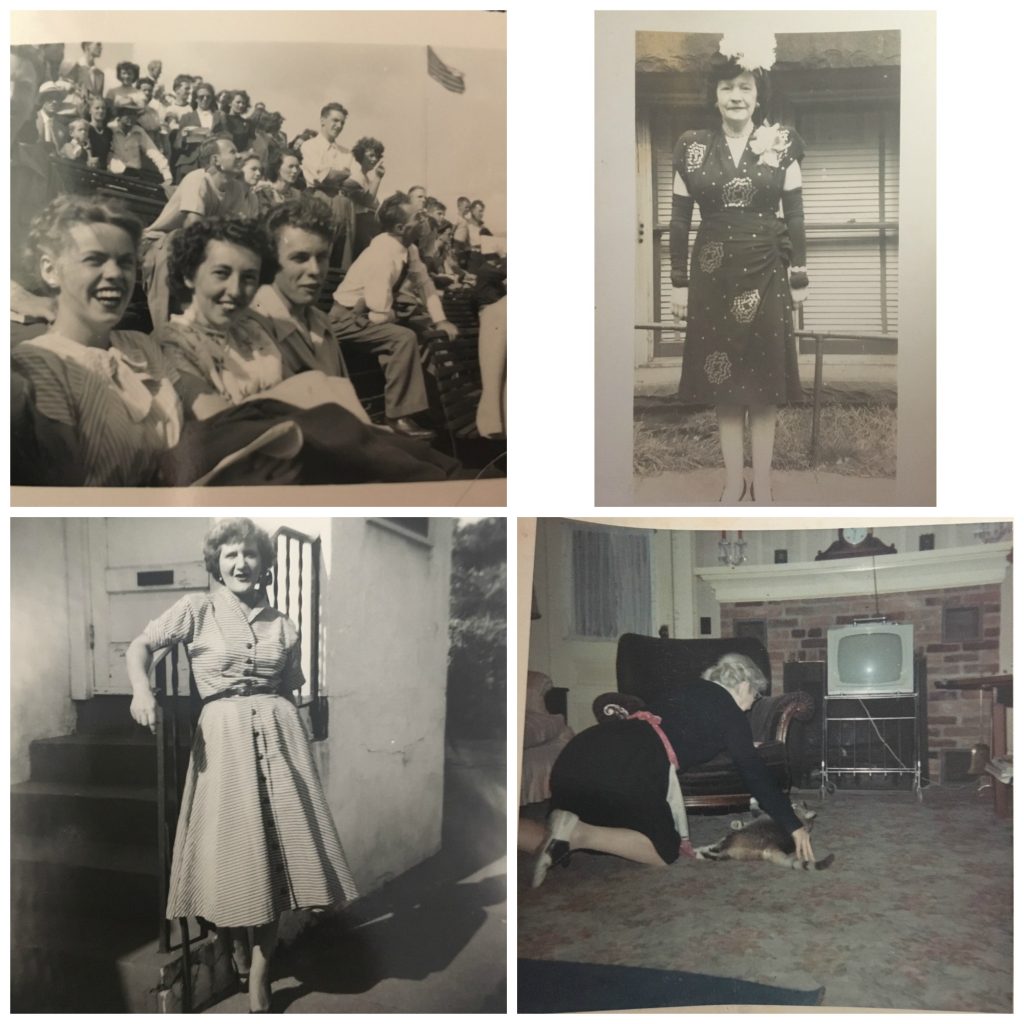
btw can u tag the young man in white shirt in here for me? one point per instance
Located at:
(364, 310)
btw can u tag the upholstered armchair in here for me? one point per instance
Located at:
(649, 667)
(545, 732)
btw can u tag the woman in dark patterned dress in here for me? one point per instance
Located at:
(747, 270)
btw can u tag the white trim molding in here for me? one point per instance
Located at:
(972, 566)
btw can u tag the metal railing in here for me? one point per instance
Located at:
(295, 591)
(821, 340)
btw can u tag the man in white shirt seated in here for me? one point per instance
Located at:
(364, 311)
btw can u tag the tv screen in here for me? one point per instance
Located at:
(870, 660)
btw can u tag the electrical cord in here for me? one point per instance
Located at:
(880, 736)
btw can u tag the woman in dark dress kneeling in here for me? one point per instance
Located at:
(614, 788)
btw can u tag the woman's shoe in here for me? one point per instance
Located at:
(743, 493)
(241, 977)
(753, 498)
(556, 845)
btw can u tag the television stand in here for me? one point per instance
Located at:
(870, 741)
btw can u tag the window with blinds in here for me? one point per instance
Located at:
(851, 200)
(610, 582)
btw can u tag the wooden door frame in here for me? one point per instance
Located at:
(82, 666)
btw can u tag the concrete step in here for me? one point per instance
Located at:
(109, 759)
(82, 876)
(81, 964)
(107, 813)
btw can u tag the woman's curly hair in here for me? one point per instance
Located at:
(367, 144)
(243, 94)
(274, 167)
(236, 531)
(51, 229)
(134, 68)
(188, 248)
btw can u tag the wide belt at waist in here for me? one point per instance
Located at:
(247, 688)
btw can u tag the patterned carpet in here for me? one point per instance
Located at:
(915, 914)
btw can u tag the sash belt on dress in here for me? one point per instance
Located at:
(244, 689)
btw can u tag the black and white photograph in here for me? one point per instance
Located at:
(258, 765)
(770, 312)
(259, 249)
(765, 764)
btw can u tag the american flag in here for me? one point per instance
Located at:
(452, 79)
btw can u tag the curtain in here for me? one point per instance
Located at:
(611, 582)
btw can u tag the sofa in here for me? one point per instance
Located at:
(649, 667)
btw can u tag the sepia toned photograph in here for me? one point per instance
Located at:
(768, 324)
(265, 257)
(258, 765)
(765, 764)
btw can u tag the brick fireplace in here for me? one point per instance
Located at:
(957, 628)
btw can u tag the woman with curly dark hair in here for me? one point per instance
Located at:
(255, 837)
(230, 369)
(238, 126)
(748, 266)
(128, 84)
(283, 172)
(367, 174)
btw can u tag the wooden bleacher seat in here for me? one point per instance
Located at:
(144, 197)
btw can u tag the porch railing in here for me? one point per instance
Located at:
(822, 341)
(295, 591)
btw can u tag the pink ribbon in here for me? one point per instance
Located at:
(655, 723)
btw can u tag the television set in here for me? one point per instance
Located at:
(870, 659)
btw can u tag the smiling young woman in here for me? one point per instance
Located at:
(255, 836)
(110, 393)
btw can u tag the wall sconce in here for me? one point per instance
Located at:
(732, 552)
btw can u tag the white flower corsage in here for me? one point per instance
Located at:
(769, 143)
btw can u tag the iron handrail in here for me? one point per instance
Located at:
(316, 702)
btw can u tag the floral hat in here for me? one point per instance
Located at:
(749, 48)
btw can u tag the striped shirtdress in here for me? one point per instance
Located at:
(255, 836)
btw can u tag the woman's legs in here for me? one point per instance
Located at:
(264, 941)
(240, 945)
(730, 434)
(622, 842)
(762, 445)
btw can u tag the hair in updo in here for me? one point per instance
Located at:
(724, 71)
(733, 670)
(614, 707)
(236, 531)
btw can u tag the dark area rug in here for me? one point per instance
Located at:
(550, 986)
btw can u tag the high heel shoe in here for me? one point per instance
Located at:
(753, 498)
(743, 493)
(240, 977)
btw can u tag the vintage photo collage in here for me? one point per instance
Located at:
(318, 707)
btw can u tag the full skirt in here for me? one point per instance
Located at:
(255, 836)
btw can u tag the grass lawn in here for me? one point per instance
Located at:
(855, 440)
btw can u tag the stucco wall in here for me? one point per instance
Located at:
(40, 654)
(386, 636)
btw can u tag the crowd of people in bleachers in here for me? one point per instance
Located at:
(233, 267)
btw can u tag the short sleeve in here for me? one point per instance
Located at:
(176, 626)
(688, 154)
(191, 194)
(794, 151)
(50, 380)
